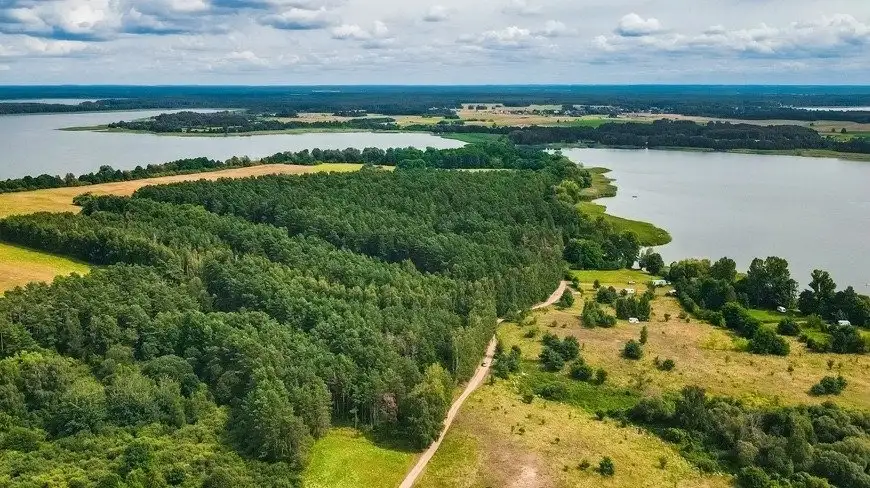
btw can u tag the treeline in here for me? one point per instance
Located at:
(799, 447)
(211, 350)
(237, 122)
(719, 136)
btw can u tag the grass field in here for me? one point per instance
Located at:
(705, 355)
(60, 199)
(19, 266)
(345, 458)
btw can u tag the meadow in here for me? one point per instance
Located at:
(19, 266)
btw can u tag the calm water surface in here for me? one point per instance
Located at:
(814, 212)
(32, 145)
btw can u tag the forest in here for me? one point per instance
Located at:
(237, 122)
(719, 136)
(214, 343)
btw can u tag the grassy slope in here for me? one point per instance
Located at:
(60, 199)
(602, 186)
(344, 458)
(485, 447)
(19, 266)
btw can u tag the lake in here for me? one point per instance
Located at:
(814, 212)
(32, 144)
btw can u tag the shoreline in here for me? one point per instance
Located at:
(806, 153)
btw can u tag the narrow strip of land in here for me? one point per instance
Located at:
(475, 382)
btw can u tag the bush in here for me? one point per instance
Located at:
(606, 467)
(606, 295)
(765, 341)
(553, 391)
(738, 319)
(632, 350)
(752, 477)
(595, 316)
(655, 410)
(581, 371)
(600, 376)
(551, 359)
(644, 335)
(829, 385)
(666, 365)
(788, 327)
(567, 299)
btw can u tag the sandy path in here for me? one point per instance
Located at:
(475, 382)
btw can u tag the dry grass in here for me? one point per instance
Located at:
(497, 440)
(19, 266)
(60, 199)
(705, 355)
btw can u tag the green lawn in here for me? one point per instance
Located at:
(767, 316)
(345, 458)
(648, 234)
(616, 277)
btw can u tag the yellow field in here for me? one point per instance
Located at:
(705, 355)
(19, 266)
(497, 440)
(60, 199)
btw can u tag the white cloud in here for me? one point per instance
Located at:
(633, 25)
(299, 19)
(437, 13)
(354, 32)
(554, 28)
(522, 7)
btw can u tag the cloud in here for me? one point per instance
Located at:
(437, 13)
(633, 25)
(838, 36)
(554, 28)
(299, 19)
(22, 46)
(522, 7)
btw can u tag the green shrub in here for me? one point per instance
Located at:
(606, 295)
(551, 359)
(632, 350)
(567, 299)
(600, 376)
(788, 327)
(606, 467)
(666, 365)
(581, 371)
(829, 385)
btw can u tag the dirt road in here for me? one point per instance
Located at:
(475, 381)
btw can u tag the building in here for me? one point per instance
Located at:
(661, 283)
(633, 320)
(781, 309)
(843, 322)
(628, 291)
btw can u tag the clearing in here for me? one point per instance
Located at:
(19, 266)
(345, 458)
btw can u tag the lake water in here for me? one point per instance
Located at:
(836, 109)
(58, 101)
(32, 144)
(814, 212)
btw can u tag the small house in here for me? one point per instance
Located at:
(628, 291)
(843, 322)
(633, 320)
(660, 283)
(671, 293)
(781, 309)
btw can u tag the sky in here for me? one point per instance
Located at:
(297, 42)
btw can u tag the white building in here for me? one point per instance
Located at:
(633, 320)
(844, 322)
(781, 309)
(660, 283)
(629, 291)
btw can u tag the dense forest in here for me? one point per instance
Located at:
(239, 122)
(216, 342)
(719, 136)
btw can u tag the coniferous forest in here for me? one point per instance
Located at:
(229, 324)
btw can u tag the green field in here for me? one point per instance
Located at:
(648, 234)
(19, 266)
(345, 458)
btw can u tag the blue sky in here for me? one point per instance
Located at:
(434, 42)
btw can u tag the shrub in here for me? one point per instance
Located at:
(600, 376)
(581, 371)
(567, 299)
(738, 319)
(551, 359)
(553, 391)
(606, 295)
(829, 385)
(666, 365)
(752, 477)
(655, 410)
(644, 335)
(789, 327)
(632, 350)
(595, 316)
(606, 467)
(765, 341)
